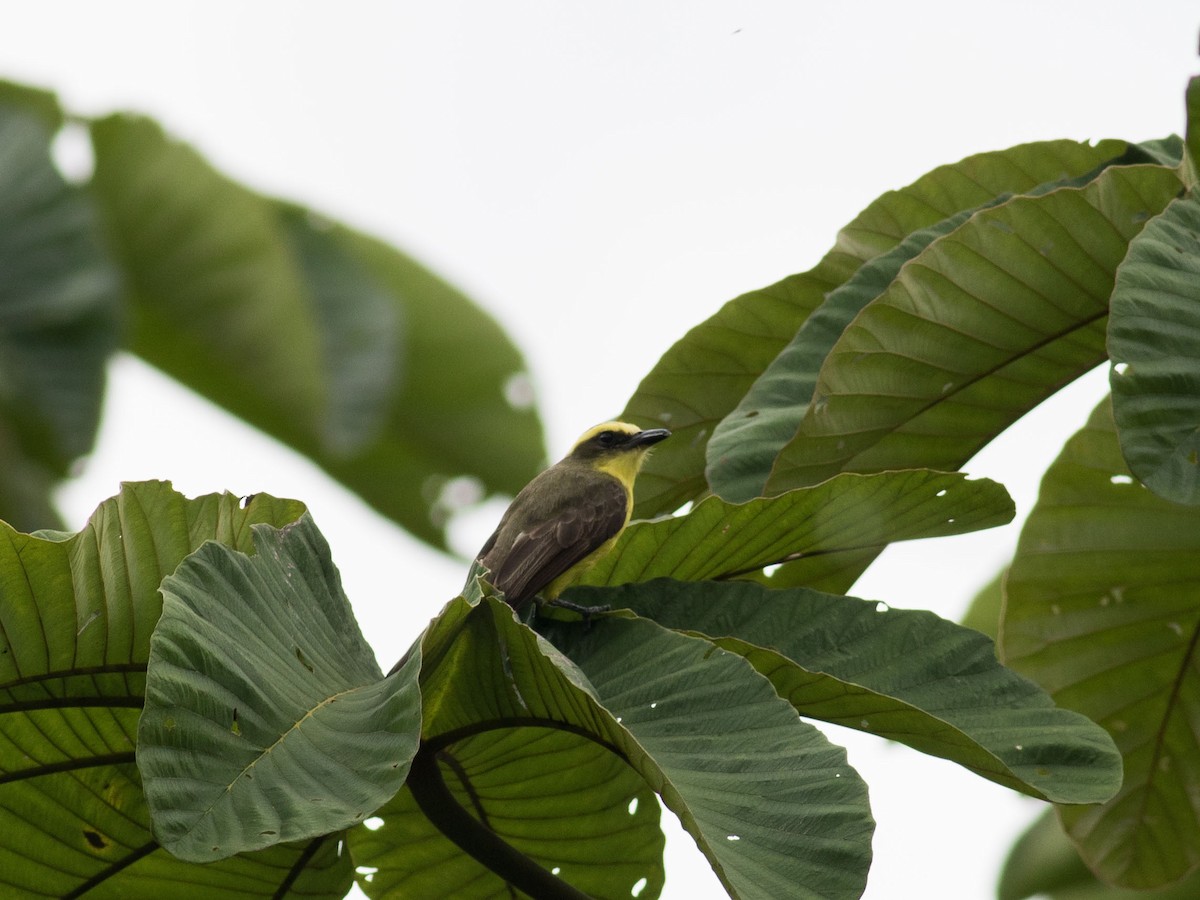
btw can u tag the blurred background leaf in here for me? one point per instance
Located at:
(1044, 863)
(335, 343)
(59, 309)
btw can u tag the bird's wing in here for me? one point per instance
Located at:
(539, 555)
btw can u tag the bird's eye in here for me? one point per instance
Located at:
(607, 438)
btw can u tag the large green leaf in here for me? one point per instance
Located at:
(566, 801)
(267, 718)
(1044, 863)
(530, 755)
(706, 373)
(457, 370)
(745, 444)
(1102, 609)
(775, 808)
(514, 732)
(1154, 343)
(76, 615)
(820, 533)
(975, 330)
(360, 331)
(334, 343)
(58, 320)
(907, 675)
(968, 183)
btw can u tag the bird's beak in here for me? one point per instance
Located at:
(648, 437)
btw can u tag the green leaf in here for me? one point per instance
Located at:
(745, 444)
(1191, 162)
(215, 297)
(706, 373)
(522, 741)
(322, 337)
(775, 807)
(41, 103)
(76, 615)
(1168, 151)
(1043, 862)
(817, 532)
(26, 486)
(906, 675)
(1154, 344)
(562, 799)
(266, 717)
(987, 607)
(976, 330)
(530, 754)
(454, 386)
(1101, 610)
(968, 183)
(58, 321)
(360, 329)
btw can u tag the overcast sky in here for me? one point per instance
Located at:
(601, 177)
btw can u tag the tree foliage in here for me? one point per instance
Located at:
(329, 340)
(186, 699)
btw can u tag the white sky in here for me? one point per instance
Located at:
(601, 177)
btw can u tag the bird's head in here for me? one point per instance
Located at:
(616, 447)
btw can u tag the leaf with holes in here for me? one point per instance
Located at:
(773, 805)
(820, 533)
(518, 744)
(555, 760)
(76, 615)
(906, 675)
(1101, 610)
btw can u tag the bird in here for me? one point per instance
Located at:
(569, 516)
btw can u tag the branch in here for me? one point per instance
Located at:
(476, 839)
